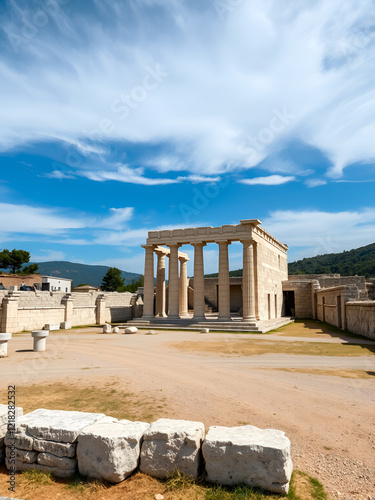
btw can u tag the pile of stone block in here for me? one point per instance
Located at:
(46, 440)
(7, 416)
(109, 449)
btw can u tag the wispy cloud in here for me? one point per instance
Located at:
(270, 180)
(189, 79)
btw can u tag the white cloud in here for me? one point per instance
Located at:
(213, 81)
(57, 174)
(313, 232)
(119, 218)
(271, 180)
(315, 182)
(27, 219)
(48, 255)
(126, 174)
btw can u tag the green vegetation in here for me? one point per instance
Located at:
(14, 260)
(359, 261)
(112, 281)
(135, 284)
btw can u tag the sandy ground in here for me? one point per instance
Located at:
(329, 419)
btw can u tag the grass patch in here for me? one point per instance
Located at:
(245, 347)
(106, 399)
(33, 485)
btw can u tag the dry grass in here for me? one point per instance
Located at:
(312, 329)
(107, 399)
(35, 485)
(244, 347)
(353, 374)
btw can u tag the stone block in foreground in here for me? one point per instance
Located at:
(170, 445)
(110, 450)
(248, 455)
(57, 425)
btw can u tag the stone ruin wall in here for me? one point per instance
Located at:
(33, 310)
(360, 318)
(303, 297)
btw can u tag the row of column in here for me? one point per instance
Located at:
(178, 282)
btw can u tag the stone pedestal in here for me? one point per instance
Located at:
(39, 337)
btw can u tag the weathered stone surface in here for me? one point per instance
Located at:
(107, 328)
(116, 329)
(21, 455)
(65, 325)
(57, 449)
(170, 445)
(110, 450)
(131, 329)
(20, 466)
(58, 425)
(63, 463)
(248, 455)
(3, 431)
(21, 439)
(4, 414)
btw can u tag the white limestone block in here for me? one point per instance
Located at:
(21, 439)
(4, 337)
(248, 455)
(57, 425)
(4, 414)
(170, 445)
(20, 466)
(205, 330)
(63, 463)
(51, 326)
(21, 455)
(110, 450)
(57, 449)
(116, 329)
(107, 328)
(39, 340)
(131, 329)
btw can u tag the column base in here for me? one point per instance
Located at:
(173, 316)
(161, 315)
(224, 318)
(250, 318)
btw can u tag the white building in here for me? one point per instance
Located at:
(53, 284)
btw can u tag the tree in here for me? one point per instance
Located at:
(113, 281)
(14, 259)
(31, 269)
(135, 284)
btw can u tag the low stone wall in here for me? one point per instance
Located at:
(331, 304)
(360, 318)
(32, 310)
(108, 449)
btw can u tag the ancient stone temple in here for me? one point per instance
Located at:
(264, 269)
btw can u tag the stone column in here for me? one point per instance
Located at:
(160, 286)
(248, 282)
(224, 285)
(100, 309)
(198, 282)
(68, 303)
(9, 321)
(183, 287)
(148, 290)
(173, 288)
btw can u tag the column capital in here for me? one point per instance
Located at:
(148, 247)
(174, 245)
(226, 242)
(200, 244)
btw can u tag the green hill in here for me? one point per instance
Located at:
(359, 261)
(80, 273)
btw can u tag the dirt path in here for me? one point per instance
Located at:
(329, 419)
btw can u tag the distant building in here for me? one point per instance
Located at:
(53, 284)
(7, 281)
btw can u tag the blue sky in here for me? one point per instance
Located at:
(117, 118)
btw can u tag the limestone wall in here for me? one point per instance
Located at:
(331, 304)
(360, 318)
(32, 310)
(303, 297)
(271, 271)
(331, 280)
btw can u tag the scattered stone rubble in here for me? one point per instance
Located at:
(65, 442)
